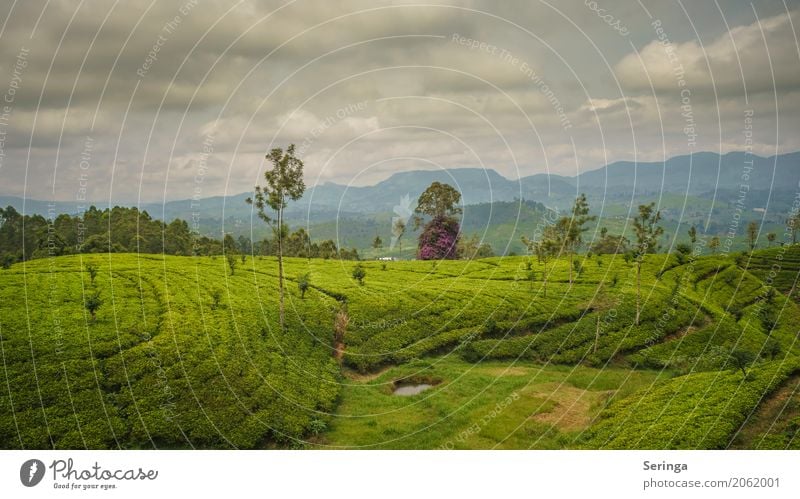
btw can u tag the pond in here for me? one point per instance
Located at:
(408, 390)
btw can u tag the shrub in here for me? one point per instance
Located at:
(578, 267)
(359, 273)
(6, 260)
(92, 271)
(772, 348)
(93, 303)
(216, 297)
(302, 284)
(317, 426)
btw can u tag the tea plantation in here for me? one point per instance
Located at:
(182, 353)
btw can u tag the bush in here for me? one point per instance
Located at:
(93, 303)
(303, 283)
(92, 271)
(359, 273)
(318, 426)
(216, 297)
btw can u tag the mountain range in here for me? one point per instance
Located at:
(704, 175)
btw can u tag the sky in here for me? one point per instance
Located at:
(149, 101)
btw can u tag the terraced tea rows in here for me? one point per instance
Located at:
(183, 353)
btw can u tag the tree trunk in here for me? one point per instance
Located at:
(570, 267)
(638, 289)
(544, 273)
(280, 265)
(597, 333)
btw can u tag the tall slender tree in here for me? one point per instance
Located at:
(549, 245)
(573, 228)
(771, 238)
(693, 234)
(713, 245)
(398, 229)
(647, 231)
(793, 222)
(752, 234)
(284, 182)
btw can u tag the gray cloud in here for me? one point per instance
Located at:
(366, 88)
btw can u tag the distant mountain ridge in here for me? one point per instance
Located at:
(703, 174)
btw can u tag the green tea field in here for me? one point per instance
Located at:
(183, 354)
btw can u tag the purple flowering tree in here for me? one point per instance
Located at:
(439, 238)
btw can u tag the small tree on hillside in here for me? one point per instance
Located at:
(229, 250)
(742, 359)
(93, 303)
(692, 234)
(771, 348)
(284, 182)
(359, 273)
(549, 246)
(231, 262)
(398, 229)
(793, 224)
(573, 229)
(92, 271)
(303, 282)
(752, 235)
(713, 245)
(471, 248)
(771, 238)
(647, 232)
(377, 243)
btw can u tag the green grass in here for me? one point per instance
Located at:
(163, 366)
(489, 405)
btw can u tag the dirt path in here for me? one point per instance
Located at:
(574, 407)
(363, 378)
(772, 416)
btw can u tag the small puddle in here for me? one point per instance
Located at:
(408, 390)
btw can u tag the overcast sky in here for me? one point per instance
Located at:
(161, 100)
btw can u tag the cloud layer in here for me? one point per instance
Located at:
(175, 99)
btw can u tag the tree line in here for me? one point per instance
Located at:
(129, 230)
